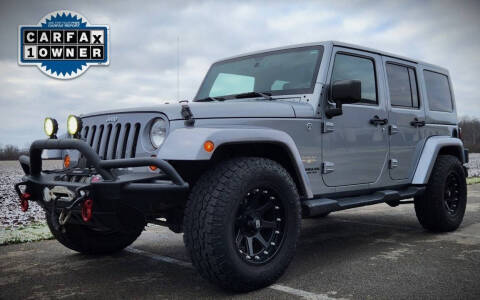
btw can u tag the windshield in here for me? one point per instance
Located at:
(283, 72)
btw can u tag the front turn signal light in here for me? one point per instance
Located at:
(66, 161)
(208, 146)
(152, 167)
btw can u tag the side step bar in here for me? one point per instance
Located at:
(314, 207)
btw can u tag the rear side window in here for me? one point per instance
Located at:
(347, 67)
(402, 84)
(438, 91)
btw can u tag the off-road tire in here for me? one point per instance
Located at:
(85, 240)
(431, 210)
(210, 218)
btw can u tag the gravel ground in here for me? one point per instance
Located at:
(10, 213)
(11, 172)
(474, 165)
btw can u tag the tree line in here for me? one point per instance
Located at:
(11, 152)
(470, 130)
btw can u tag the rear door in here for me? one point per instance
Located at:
(406, 116)
(355, 148)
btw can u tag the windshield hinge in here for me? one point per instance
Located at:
(187, 115)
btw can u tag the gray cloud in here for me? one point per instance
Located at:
(143, 48)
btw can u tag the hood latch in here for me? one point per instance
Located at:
(187, 114)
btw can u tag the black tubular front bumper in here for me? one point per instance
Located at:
(148, 192)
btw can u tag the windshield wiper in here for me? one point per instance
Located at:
(208, 99)
(266, 95)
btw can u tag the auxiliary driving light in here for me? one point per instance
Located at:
(74, 125)
(50, 126)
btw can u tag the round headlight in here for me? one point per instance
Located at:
(50, 126)
(74, 124)
(158, 132)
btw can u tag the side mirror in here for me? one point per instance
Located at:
(344, 92)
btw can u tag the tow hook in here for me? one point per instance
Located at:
(24, 197)
(66, 213)
(87, 210)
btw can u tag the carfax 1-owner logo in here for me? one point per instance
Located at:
(63, 44)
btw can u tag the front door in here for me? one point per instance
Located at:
(406, 117)
(355, 144)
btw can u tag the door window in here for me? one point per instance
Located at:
(348, 67)
(402, 84)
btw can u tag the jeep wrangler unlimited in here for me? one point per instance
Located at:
(270, 137)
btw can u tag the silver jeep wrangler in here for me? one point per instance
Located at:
(271, 137)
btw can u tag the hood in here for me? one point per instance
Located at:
(226, 109)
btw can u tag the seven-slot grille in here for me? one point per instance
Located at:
(113, 141)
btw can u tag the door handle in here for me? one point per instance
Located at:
(417, 123)
(377, 121)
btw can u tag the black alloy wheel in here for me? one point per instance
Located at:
(259, 226)
(452, 194)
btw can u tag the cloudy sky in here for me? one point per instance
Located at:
(143, 57)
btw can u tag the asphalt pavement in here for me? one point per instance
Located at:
(374, 252)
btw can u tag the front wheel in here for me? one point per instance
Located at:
(443, 204)
(242, 222)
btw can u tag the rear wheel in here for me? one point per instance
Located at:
(87, 240)
(242, 222)
(443, 204)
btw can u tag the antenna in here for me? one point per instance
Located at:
(178, 68)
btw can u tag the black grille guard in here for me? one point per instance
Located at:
(32, 166)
